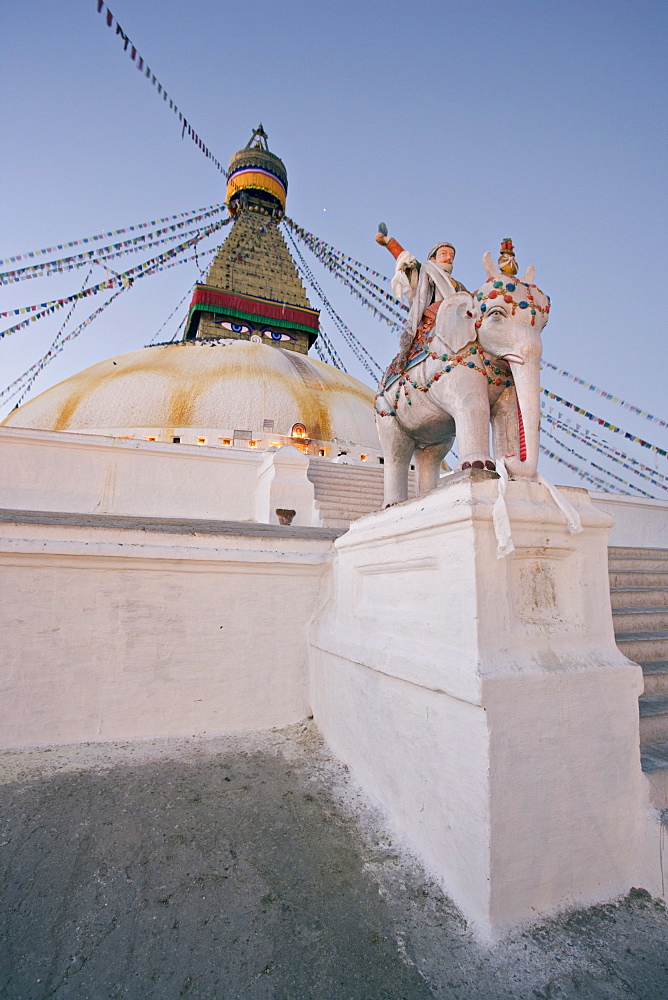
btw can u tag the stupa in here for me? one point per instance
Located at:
(241, 376)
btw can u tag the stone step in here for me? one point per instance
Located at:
(646, 563)
(638, 578)
(346, 492)
(342, 490)
(638, 597)
(653, 719)
(328, 470)
(350, 489)
(367, 499)
(346, 489)
(615, 551)
(344, 499)
(654, 759)
(342, 513)
(346, 508)
(648, 619)
(361, 471)
(643, 647)
(331, 479)
(656, 677)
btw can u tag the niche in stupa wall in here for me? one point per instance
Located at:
(542, 598)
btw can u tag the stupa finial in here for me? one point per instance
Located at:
(259, 139)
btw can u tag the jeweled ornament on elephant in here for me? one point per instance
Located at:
(465, 360)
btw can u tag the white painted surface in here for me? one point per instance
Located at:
(639, 523)
(87, 474)
(484, 702)
(210, 389)
(283, 484)
(112, 634)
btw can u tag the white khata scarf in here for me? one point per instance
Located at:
(431, 276)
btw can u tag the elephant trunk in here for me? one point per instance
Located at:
(524, 463)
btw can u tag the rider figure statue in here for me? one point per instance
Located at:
(425, 286)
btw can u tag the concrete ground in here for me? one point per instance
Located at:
(250, 866)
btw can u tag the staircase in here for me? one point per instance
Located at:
(639, 596)
(345, 492)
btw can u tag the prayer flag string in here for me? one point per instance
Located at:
(160, 263)
(143, 68)
(605, 395)
(331, 350)
(55, 349)
(176, 308)
(310, 238)
(349, 277)
(355, 345)
(583, 439)
(26, 382)
(51, 307)
(604, 423)
(115, 250)
(579, 471)
(342, 268)
(191, 215)
(124, 277)
(599, 468)
(607, 447)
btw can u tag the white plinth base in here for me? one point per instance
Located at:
(483, 701)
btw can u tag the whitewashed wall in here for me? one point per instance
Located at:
(111, 634)
(89, 474)
(639, 523)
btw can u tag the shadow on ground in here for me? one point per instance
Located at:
(251, 867)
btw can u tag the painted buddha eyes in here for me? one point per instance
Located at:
(246, 328)
(276, 335)
(235, 327)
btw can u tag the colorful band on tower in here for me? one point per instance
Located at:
(255, 179)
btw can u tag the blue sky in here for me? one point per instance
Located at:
(465, 121)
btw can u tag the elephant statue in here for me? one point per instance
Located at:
(481, 363)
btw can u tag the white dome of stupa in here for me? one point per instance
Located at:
(211, 389)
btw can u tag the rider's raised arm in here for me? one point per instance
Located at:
(392, 245)
(405, 279)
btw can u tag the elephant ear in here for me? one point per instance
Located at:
(455, 323)
(529, 275)
(491, 270)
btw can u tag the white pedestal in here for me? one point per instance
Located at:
(484, 701)
(283, 483)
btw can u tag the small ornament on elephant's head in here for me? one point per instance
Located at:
(507, 262)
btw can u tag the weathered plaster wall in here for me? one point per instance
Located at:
(87, 474)
(639, 523)
(136, 632)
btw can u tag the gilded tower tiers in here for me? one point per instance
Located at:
(253, 291)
